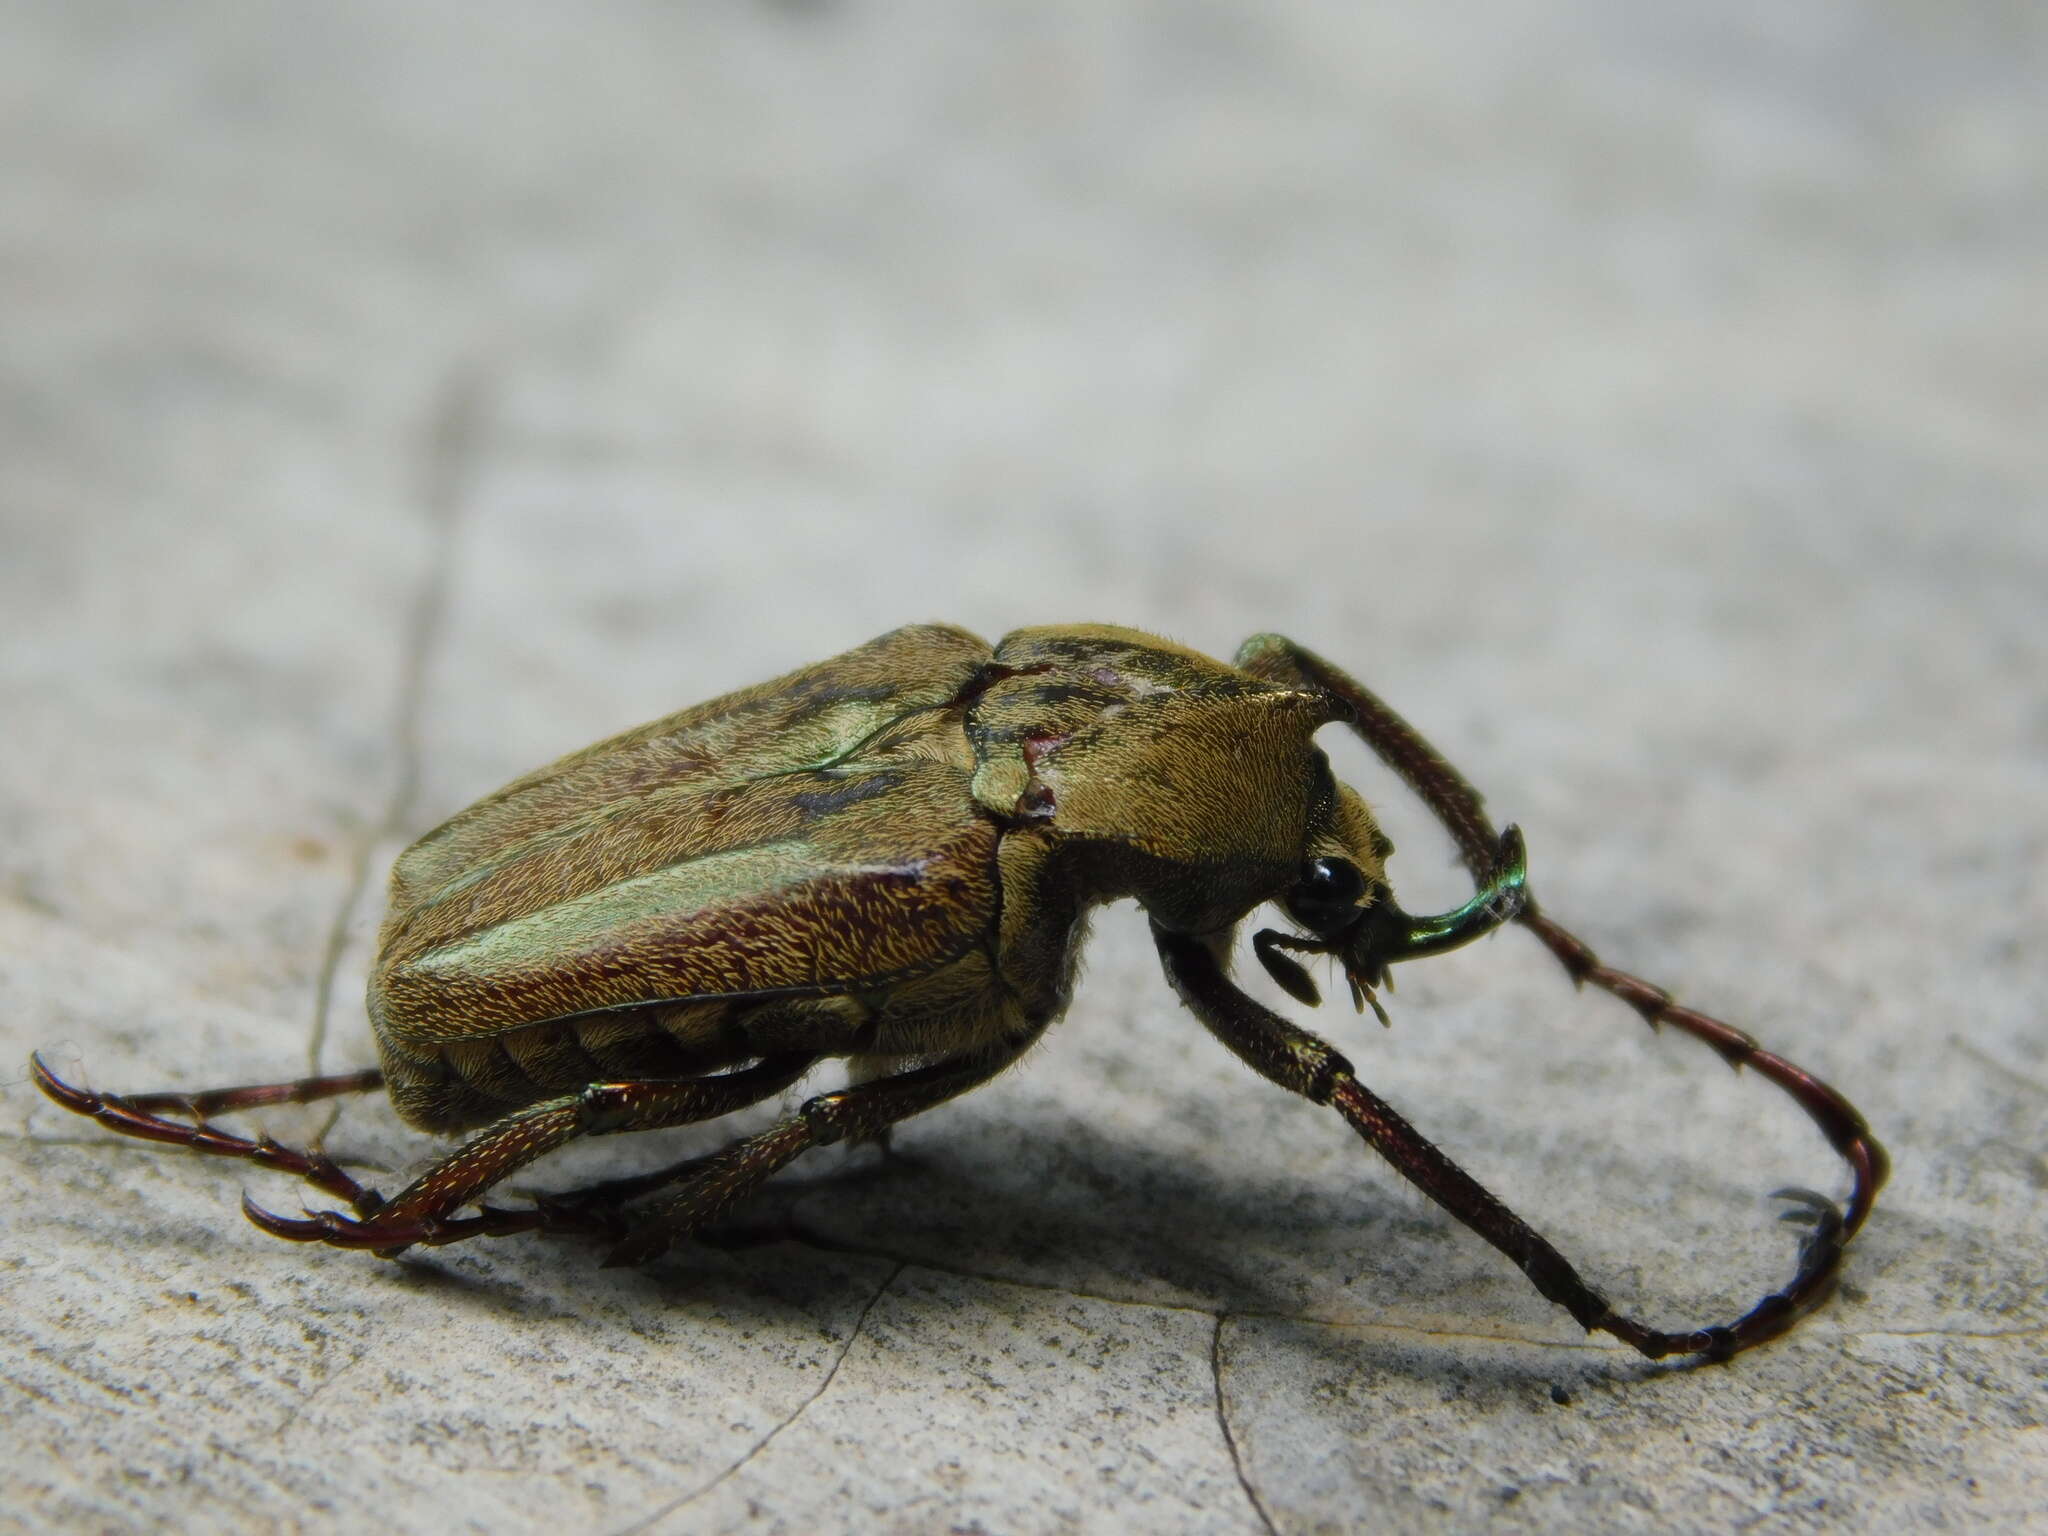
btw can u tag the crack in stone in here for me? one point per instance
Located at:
(447, 450)
(762, 1444)
(298, 1407)
(1985, 1334)
(823, 1244)
(808, 1239)
(1223, 1423)
(986, 1277)
(2006, 1072)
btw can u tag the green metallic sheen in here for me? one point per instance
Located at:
(1392, 935)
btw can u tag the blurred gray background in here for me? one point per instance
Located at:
(1649, 401)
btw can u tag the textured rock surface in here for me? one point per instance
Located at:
(393, 398)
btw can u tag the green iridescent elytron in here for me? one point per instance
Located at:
(890, 858)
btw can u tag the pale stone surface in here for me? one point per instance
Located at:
(395, 397)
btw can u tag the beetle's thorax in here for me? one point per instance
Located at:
(1158, 772)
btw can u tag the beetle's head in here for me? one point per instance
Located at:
(1341, 902)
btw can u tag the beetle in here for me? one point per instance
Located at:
(890, 857)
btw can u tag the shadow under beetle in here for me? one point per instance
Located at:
(890, 857)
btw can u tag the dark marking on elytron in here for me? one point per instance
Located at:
(1051, 696)
(963, 700)
(823, 802)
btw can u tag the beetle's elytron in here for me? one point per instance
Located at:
(890, 857)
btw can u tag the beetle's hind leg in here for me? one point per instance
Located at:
(140, 1115)
(424, 1211)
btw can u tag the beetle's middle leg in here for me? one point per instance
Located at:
(859, 1112)
(424, 1212)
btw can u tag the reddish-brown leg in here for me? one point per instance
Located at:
(136, 1115)
(857, 1113)
(1299, 1061)
(424, 1212)
(1459, 807)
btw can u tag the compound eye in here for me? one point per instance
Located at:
(1325, 898)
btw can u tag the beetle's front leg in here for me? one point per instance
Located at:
(1299, 1061)
(860, 1112)
(1463, 813)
